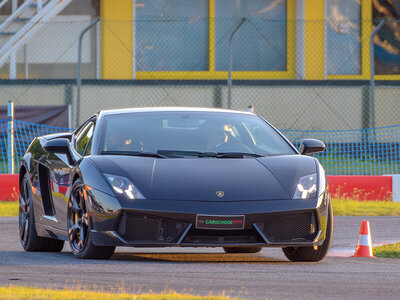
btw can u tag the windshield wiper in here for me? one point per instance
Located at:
(134, 153)
(236, 154)
(208, 154)
(182, 153)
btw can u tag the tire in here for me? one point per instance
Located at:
(308, 253)
(79, 225)
(254, 249)
(29, 238)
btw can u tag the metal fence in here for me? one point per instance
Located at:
(24, 133)
(289, 78)
(373, 151)
(306, 78)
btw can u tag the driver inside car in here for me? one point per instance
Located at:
(122, 142)
(218, 136)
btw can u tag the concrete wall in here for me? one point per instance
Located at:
(305, 108)
(32, 94)
(387, 106)
(286, 107)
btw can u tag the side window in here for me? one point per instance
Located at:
(83, 138)
(89, 147)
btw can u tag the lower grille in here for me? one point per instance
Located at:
(292, 227)
(221, 237)
(136, 227)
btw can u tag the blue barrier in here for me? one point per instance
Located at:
(24, 134)
(373, 151)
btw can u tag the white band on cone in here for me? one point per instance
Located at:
(364, 240)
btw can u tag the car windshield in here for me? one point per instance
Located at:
(183, 134)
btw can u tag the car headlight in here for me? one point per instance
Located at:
(306, 187)
(123, 186)
(321, 180)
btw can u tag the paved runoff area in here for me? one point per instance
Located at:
(204, 271)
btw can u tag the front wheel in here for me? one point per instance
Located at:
(79, 227)
(308, 253)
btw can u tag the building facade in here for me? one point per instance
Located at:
(279, 39)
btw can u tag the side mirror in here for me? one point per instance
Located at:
(60, 146)
(309, 146)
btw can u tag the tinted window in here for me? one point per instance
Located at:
(260, 42)
(191, 131)
(171, 35)
(387, 39)
(343, 29)
(83, 138)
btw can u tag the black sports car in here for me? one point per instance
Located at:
(188, 177)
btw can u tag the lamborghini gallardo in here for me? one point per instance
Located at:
(174, 177)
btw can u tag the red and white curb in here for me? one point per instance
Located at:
(381, 188)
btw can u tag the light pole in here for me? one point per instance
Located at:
(230, 61)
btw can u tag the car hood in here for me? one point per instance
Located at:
(208, 179)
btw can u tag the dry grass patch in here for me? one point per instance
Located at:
(345, 207)
(22, 292)
(391, 250)
(8, 208)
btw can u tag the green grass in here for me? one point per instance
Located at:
(391, 250)
(21, 292)
(345, 207)
(341, 207)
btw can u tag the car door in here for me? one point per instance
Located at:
(61, 172)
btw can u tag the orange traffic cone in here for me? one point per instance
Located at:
(364, 245)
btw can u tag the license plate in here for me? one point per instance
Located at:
(219, 222)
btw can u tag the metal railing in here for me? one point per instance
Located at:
(34, 17)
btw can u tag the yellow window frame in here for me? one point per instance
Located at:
(212, 74)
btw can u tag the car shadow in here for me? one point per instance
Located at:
(194, 257)
(20, 258)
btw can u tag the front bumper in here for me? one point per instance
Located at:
(152, 223)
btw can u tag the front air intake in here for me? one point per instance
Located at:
(136, 227)
(290, 227)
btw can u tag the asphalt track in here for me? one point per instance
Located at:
(208, 270)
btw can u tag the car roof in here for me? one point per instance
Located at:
(171, 109)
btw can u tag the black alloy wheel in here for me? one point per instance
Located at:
(78, 220)
(79, 226)
(29, 238)
(24, 212)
